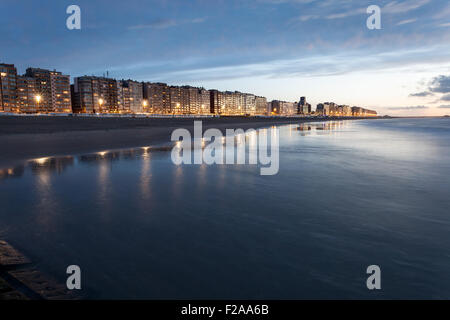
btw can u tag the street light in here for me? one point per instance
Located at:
(144, 105)
(100, 103)
(38, 99)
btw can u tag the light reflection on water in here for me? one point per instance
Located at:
(348, 195)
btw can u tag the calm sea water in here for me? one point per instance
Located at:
(348, 195)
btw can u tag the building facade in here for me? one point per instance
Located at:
(53, 88)
(8, 88)
(26, 95)
(303, 107)
(261, 106)
(92, 94)
(205, 101)
(249, 104)
(157, 96)
(217, 102)
(283, 108)
(130, 97)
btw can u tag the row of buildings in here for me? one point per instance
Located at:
(46, 91)
(333, 110)
(37, 91)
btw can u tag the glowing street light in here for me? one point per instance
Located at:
(38, 99)
(144, 104)
(100, 103)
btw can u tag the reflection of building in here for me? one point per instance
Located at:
(304, 127)
(100, 156)
(8, 88)
(110, 156)
(54, 89)
(58, 164)
(12, 172)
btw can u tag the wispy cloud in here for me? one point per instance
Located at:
(421, 94)
(307, 66)
(444, 107)
(443, 13)
(445, 97)
(286, 1)
(409, 108)
(408, 21)
(342, 15)
(307, 17)
(165, 23)
(395, 7)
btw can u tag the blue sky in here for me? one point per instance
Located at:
(280, 49)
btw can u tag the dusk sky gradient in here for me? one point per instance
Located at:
(281, 49)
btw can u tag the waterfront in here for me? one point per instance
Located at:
(349, 194)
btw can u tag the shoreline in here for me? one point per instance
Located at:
(23, 139)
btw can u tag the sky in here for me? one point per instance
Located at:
(280, 49)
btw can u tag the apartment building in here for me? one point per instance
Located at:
(261, 106)
(8, 88)
(130, 96)
(157, 96)
(27, 93)
(283, 108)
(53, 88)
(92, 94)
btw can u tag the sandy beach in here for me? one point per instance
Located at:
(24, 138)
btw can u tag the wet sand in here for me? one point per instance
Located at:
(24, 138)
